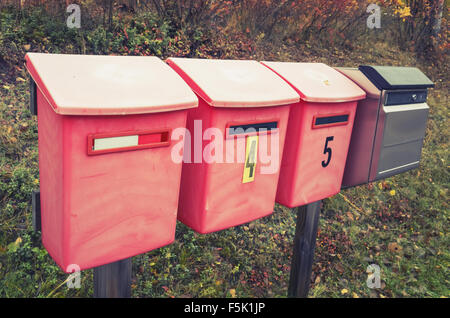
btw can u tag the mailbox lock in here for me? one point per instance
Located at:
(414, 97)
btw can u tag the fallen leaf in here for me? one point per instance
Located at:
(392, 192)
(350, 216)
(232, 293)
(27, 47)
(344, 291)
(339, 268)
(394, 247)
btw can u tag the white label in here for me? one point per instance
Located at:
(116, 142)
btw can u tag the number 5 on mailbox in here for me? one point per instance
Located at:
(328, 151)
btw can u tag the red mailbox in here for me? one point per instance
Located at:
(109, 189)
(247, 105)
(319, 132)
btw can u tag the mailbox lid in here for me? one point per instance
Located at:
(361, 80)
(108, 85)
(317, 82)
(234, 83)
(395, 77)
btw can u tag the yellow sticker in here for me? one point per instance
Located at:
(250, 159)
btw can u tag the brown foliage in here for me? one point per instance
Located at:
(411, 24)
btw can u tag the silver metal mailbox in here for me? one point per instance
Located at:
(390, 123)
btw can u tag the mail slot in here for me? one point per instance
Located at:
(390, 123)
(246, 107)
(108, 186)
(318, 134)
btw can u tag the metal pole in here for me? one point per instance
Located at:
(304, 245)
(113, 280)
(36, 210)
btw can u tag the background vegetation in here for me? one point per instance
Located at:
(400, 224)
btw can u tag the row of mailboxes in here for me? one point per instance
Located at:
(111, 188)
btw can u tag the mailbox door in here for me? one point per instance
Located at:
(214, 193)
(399, 137)
(402, 118)
(315, 152)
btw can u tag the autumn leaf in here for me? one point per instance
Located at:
(232, 293)
(394, 247)
(350, 216)
(339, 268)
(344, 291)
(12, 247)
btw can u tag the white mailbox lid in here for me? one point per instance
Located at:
(108, 85)
(317, 82)
(234, 83)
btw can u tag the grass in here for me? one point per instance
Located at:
(400, 224)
